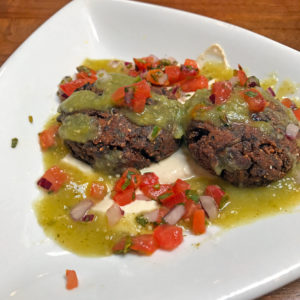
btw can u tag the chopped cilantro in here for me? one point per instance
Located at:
(127, 245)
(251, 94)
(157, 186)
(141, 220)
(193, 195)
(126, 184)
(164, 196)
(155, 132)
(14, 142)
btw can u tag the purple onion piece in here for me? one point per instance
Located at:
(44, 183)
(80, 209)
(129, 93)
(212, 98)
(271, 91)
(252, 84)
(292, 131)
(174, 90)
(88, 218)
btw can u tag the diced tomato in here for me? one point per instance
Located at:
(242, 76)
(173, 200)
(131, 178)
(144, 244)
(153, 192)
(191, 62)
(133, 73)
(297, 113)
(90, 77)
(168, 237)
(222, 91)
(216, 192)
(288, 103)
(69, 87)
(173, 73)
(149, 178)
(187, 72)
(194, 84)
(125, 197)
(145, 63)
(47, 137)
(198, 226)
(118, 96)
(180, 186)
(56, 176)
(71, 280)
(98, 190)
(190, 207)
(255, 100)
(141, 93)
(122, 246)
(157, 77)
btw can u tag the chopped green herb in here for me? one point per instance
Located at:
(127, 245)
(157, 186)
(164, 196)
(14, 142)
(155, 132)
(141, 220)
(154, 76)
(193, 195)
(133, 196)
(126, 184)
(30, 119)
(251, 94)
(164, 62)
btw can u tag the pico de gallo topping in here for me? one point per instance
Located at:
(178, 205)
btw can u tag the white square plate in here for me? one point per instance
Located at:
(245, 262)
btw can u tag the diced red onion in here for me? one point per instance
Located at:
(143, 74)
(142, 197)
(114, 64)
(114, 214)
(212, 98)
(88, 218)
(210, 206)
(103, 75)
(175, 214)
(252, 84)
(162, 79)
(234, 80)
(271, 91)
(292, 131)
(155, 58)
(152, 216)
(128, 65)
(79, 210)
(175, 89)
(44, 183)
(129, 94)
(172, 60)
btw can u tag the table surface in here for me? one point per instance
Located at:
(275, 19)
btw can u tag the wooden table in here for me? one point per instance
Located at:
(276, 19)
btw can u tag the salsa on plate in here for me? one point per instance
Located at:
(121, 117)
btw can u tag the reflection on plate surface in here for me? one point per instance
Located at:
(237, 264)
